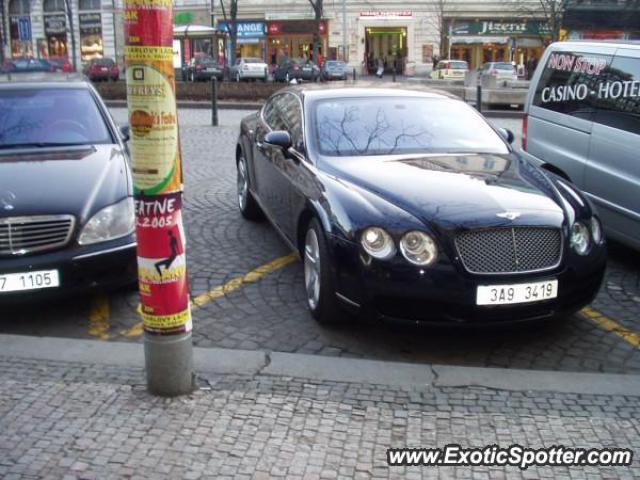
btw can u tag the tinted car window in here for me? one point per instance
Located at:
(359, 126)
(252, 60)
(65, 116)
(106, 62)
(570, 82)
(503, 66)
(617, 104)
(273, 113)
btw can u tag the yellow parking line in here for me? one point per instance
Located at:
(251, 277)
(225, 289)
(99, 317)
(612, 326)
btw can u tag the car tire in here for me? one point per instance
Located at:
(248, 206)
(318, 279)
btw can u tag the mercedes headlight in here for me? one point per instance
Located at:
(378, 243)
(580, 238)
(596, 231)
(418, 248)
(114, 221)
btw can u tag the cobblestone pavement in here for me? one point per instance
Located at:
(65, 420)
(271, 314)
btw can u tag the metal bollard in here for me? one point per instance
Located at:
(394, 73)
(354, 74)
(214, 101)
(479, 98)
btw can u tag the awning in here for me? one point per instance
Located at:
(469, 39)
(193, 31)
(528, 42)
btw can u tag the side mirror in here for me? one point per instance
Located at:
(125, 133)
(506, 134)
(278, 138)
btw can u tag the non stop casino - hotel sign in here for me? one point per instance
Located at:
(157, 166)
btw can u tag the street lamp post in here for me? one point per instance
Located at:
(157, 178)
(344, 30)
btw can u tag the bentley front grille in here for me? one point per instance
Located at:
(510, 250)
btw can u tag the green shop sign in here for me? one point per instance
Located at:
(490, 27)
(183, 18)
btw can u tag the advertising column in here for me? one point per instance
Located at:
(157, 176)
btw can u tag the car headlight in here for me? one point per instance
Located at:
(114, 221)
(596, 231)
(580, 238)
(418, 248)
(378, 243)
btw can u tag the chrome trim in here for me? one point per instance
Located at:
(109, 250)
(525, 272)
(30, 219)
(347, 300)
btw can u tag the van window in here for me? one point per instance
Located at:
(618, 102)
(570, 83)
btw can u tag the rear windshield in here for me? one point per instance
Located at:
(458, 65)
(107, 62)
(400, 125)
(50, 116)
(252, 60)
(333, 63)
(503, 66)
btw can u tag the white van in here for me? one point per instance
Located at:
(582, 122)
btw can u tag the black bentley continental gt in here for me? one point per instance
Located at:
(407, 204)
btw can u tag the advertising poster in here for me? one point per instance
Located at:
(157, 171)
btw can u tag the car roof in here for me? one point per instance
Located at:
(597, 43)
(367, 89)
(35, 80)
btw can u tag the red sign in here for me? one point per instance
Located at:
(295, 27)
(603, 35)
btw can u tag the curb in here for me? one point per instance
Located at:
(334, 369)
(199, 105)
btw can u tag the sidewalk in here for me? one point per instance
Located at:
(79, 409)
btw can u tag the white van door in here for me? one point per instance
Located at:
(612, 176)
(559, 110)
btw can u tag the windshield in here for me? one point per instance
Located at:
(401, 125)
(50, 116)
(458, 65)
(503, 66)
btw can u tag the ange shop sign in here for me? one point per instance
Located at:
(300, 27)
(245, 29)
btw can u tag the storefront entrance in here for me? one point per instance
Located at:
(388, 44)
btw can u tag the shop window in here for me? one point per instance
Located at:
(53, 6)
(89, 5)
(20, 28)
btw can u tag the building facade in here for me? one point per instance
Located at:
(50, 28)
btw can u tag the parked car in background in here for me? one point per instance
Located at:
(407, 204)
(27, 65)
(202, 68)
(450, 70)
(66, 207)
(334, 70)
(61, 64)
(102, 69)
(249, 68)
(499, 71)
(296, 68)
(582, 122)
